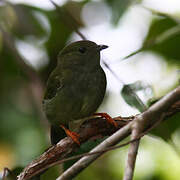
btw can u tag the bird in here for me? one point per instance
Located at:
(75, 88)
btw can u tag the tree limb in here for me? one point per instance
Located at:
(132, 153)
(149, 117)
(91, 129)
(96, 127)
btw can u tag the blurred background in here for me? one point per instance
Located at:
(143, 58)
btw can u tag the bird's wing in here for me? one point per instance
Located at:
(53, 85)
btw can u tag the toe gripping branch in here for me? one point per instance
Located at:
(109, 119)
(74, 136)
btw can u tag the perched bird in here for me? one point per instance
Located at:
(75, 88)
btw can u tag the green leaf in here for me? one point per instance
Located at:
(118, 7)
(129, 93)
(27, 22)
(167, 128)
(164, 38)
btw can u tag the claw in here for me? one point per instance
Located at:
(74, 136)
(108, 118)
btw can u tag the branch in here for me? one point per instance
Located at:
(128, 87)
(136, 134)
(64, 13)
(91, 129)
(132, 153)
(149, 117)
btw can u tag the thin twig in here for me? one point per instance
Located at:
(73, 24)
(132, 152)
(130, 163)
(74, 27)
(133, 149)
(128, 87)
(137, 128)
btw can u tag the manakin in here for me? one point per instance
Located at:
(75, 88)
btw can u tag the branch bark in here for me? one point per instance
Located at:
(94, 128)
(132, 154)
(91, 129)
(149, 117)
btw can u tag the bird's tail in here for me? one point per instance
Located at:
(56, 134)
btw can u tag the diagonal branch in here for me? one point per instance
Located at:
(91, 129)
(149, 117)
(64, 13)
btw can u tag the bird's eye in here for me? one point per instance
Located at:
(82, 50)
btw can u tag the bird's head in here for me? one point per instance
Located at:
(81, 53)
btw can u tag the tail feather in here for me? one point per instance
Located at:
(56, 134)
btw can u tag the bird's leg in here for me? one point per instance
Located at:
(74, 136)
(108, 118)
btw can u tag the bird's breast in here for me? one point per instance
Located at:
(80, 96)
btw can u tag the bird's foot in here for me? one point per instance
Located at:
(74, 136)
(108, 118)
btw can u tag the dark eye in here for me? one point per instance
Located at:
(82, 50)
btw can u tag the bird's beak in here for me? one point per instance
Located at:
(101, 47)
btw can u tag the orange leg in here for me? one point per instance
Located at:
(74, 136)
(108, 118)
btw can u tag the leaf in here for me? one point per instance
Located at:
(118, 7)
(164, 38)
(167, 128)
(129, 93)
(27, 22)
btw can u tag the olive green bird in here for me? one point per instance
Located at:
(75, 88)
